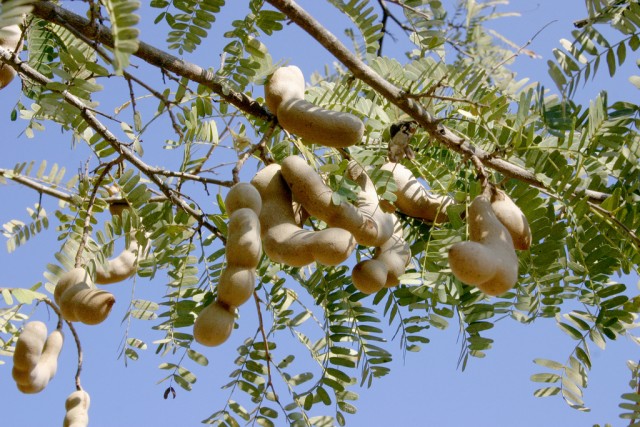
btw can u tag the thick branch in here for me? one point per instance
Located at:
(406, 103)
(51, 12)
(87, 114)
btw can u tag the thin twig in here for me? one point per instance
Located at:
(266, 346)
(86, 228)
(523, 47)
(242, 158)
(76, 338)
(119, 147)
(40, 188)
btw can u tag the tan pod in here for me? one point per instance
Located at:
(285, 83)
(510, 215)
(315, 196)
(77, 407)
(80, 300)
(214, 324)
(121, 267)
(283, 240)
(386, 266)
(35, 359)
(284, 95)
(413, 199)
(488, 260)
(243, 195)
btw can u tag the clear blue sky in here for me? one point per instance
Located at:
(424, 389)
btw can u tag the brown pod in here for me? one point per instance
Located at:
(283, 240)
(489, 260)
(413, 199)
(386, 266)
(35, 359)
(236, 285)
(214, 324)
(80, 300)
(243, 195)
(315, 196)
(77, 409)
(121, 267)
(285, 83)
(243, 239)
(510, 215)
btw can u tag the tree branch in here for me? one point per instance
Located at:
(88, 115)
(51, 12)
(407, 104)
(31, 183)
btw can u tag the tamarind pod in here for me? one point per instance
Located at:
(243, 195)
(29, 346)
(119, 268)
(413, 199)
(214, 324)
(35, 360)
(488, 261)
(368, 202)
(510, 215)
(317, 125)
(10, 40)
(243, 239)
(387, 265)
(79, 300)
(77, 409)
(369, 276)
(282, 239)
(284, 84)
(315, 196)
(236, 285)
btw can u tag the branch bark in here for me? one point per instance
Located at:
(51, 12)
(409, 105)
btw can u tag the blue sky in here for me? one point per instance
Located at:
(424, 389)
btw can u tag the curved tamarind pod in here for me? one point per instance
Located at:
(35, 360)
(510, 215)
(489, 260)
(79, 300)
(283, 240)
(121, 267)
(315, 196)
(10, 40)
(285, 83)
(386, 266)
(368, 202)
(317, 125)
(214, 324)
(243, 195)
(77, 407)
(413, 199)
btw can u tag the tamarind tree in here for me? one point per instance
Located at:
(160, 128)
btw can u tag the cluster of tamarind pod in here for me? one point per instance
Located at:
(237, 280)
(78, 297)
(10, 39)
(497, 227)
(269, 215)
(35, 362)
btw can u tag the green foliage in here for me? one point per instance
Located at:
(125, 35)
(458, 70)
